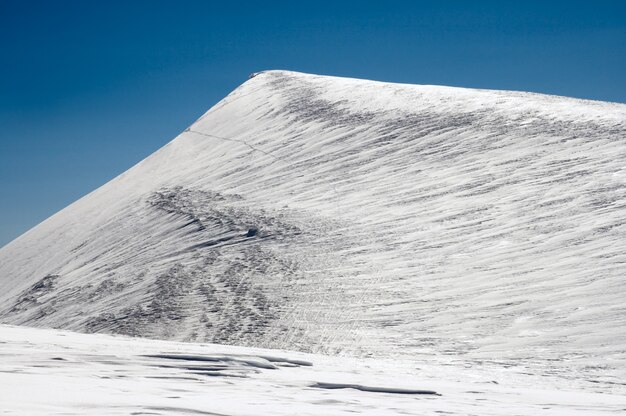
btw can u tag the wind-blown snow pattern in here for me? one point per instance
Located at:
(344, 216)
(52, 372)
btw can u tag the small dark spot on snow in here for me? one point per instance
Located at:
(252, 232)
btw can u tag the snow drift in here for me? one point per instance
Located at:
(337, 215)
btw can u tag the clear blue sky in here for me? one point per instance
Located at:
(89, 88)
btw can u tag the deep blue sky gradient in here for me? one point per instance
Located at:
(89, 88)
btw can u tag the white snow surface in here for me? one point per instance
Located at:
(342, 216)
(52, 372)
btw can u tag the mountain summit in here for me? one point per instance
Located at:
(339, 215)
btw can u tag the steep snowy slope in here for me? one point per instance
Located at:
(337, 215)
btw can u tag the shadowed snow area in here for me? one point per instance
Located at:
(341, 216)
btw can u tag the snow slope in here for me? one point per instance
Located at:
(51, 372)
(343, 216)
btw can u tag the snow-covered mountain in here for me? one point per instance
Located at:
(337, 215)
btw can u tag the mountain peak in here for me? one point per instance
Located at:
(335, 214)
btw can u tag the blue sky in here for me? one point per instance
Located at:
(87, 89)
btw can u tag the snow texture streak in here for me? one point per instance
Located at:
(345, 216)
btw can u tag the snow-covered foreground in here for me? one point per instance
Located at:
(52, 372)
